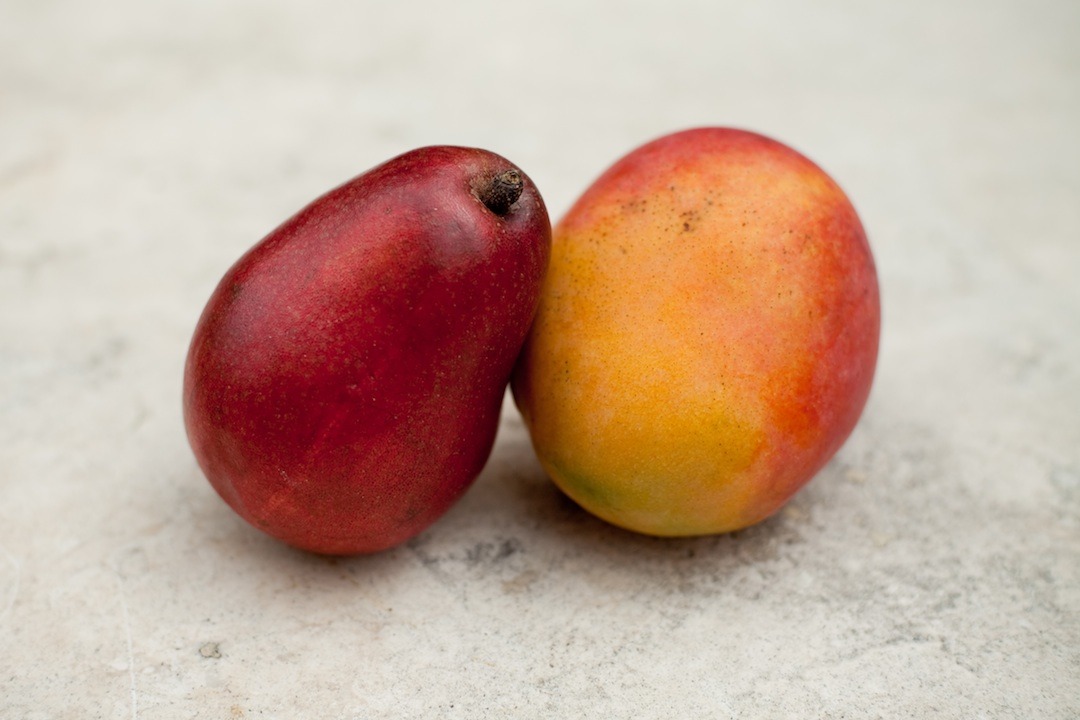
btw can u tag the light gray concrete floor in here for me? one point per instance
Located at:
(931, 570)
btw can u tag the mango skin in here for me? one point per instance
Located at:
(706, 338)
(344, 383)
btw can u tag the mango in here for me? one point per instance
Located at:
(344, 383)
(706, 338)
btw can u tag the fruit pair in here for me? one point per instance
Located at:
(702, 341)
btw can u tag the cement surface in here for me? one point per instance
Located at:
(931, 570)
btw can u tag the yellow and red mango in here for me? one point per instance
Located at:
(707, 335)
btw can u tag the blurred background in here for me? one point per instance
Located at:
(933, 568)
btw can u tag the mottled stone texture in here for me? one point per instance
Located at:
(931, 570)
